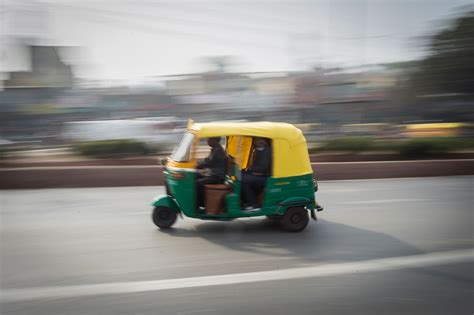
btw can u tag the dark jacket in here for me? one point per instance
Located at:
(262, 161)
(216, 162)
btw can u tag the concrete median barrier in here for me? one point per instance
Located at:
(146, 175)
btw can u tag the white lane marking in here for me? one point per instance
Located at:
(390, 179)
(395, 161)
(84, 167)
(380, 201)
(194, 294)
(197, 311)
(384, 264)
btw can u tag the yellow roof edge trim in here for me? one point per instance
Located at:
(272, 130)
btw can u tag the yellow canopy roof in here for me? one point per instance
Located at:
(290, 153)
(263, 129)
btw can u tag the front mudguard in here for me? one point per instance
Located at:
(166, 201)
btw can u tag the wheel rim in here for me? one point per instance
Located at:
(296, 218)
(164, 215)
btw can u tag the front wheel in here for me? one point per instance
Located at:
(163, 217)
(295, 219)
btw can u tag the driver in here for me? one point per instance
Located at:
(216, 164)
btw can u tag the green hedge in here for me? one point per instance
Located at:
(430, 146)
(112, 148)
(411, 147)
(352, 144)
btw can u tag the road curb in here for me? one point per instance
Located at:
(143, 175)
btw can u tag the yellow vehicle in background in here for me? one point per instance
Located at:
(437, 130)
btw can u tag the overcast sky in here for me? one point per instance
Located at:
(137, 38)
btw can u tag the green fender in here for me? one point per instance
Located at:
(295, 201)
(165, 201)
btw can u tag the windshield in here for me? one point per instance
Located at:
(182, 152)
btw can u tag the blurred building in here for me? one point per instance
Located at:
(37, 103)
(47, 71)
(337, 97)
(218, 95)
(29, 109)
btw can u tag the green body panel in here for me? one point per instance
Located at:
(183, 190)
(280, 194)
(232, 201)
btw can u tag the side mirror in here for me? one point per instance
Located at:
(163, 161)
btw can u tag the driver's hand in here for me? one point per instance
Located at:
(204, 172)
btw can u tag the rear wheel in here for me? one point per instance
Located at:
(295, 219)
(164, 217)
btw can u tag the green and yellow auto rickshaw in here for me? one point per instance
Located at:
(289, 192)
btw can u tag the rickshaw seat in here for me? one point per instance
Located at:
(218, 186)
(215, 197)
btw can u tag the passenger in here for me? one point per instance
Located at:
(216, 165)
(254, 179)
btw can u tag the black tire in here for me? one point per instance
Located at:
(164, 217)
(295, 219)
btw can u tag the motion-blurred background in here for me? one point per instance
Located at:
(353, 75)
(92, 92)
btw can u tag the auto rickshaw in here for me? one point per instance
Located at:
(289, 192)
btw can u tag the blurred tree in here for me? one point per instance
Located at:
(449, 66)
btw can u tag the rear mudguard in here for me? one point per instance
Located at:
(295, 202)
(166, 201)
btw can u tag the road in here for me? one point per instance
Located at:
(386, 246)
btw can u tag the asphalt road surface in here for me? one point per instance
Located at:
(395, 246)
